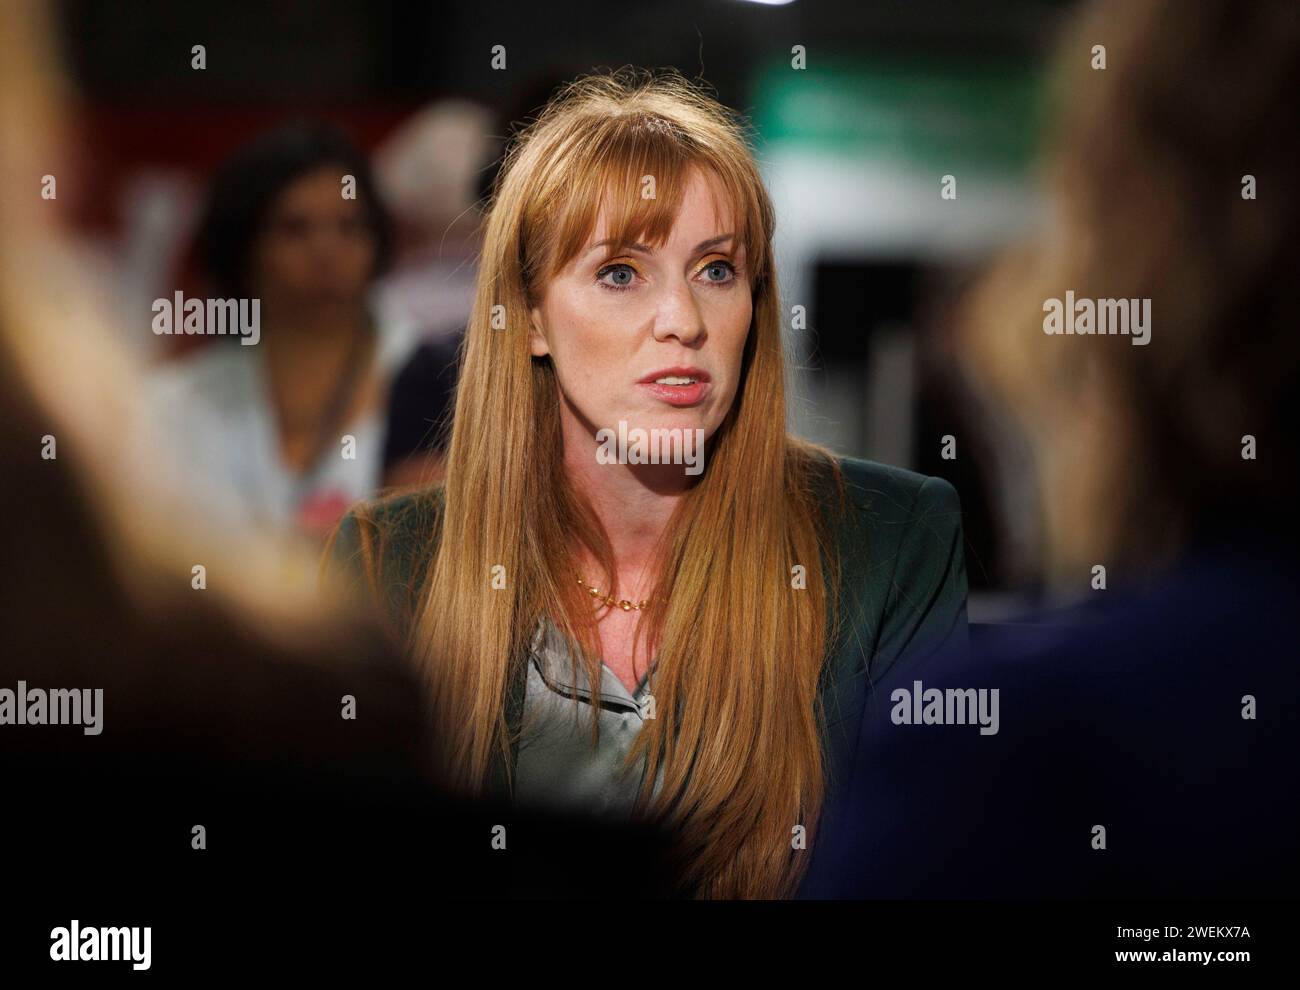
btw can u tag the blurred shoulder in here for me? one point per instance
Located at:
(900, 547)
(218, 372)
(385, 545)
(880, 496)
(402, 515)
(889, 490)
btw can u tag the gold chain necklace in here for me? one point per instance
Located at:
(622, 603)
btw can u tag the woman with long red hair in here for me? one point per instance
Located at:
(682, 632)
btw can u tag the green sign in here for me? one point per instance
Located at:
(922, 112)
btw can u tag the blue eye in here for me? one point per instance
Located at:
(726, 267)
(618, 270)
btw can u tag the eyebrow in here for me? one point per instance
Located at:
(646, 250)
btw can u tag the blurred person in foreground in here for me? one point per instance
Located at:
(288, 431)
(255, 760)
(219, 687)
(1147, 737)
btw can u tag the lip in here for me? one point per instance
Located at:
(678, 395)
(679, 371)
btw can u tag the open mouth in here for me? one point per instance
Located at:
(677, 386)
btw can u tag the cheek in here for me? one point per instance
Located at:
(360, 259)
(585, 345)
(286, 254)
(273, 262)
(732, 321)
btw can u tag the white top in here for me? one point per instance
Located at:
(214, 413)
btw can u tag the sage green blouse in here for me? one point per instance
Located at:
(558, 766)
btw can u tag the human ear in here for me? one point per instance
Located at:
(537, 336)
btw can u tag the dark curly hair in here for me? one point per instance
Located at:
(249, 182)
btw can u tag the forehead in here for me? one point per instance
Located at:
(703, 209)
(315, 187)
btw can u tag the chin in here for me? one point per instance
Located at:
(672, 419)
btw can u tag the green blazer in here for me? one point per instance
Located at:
(902, 593)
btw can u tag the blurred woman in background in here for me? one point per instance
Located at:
(289, 431)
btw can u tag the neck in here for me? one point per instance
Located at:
(633, 502)
(311, 331)
(306, 360)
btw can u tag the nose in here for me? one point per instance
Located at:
(679, 315)
(326, 236)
